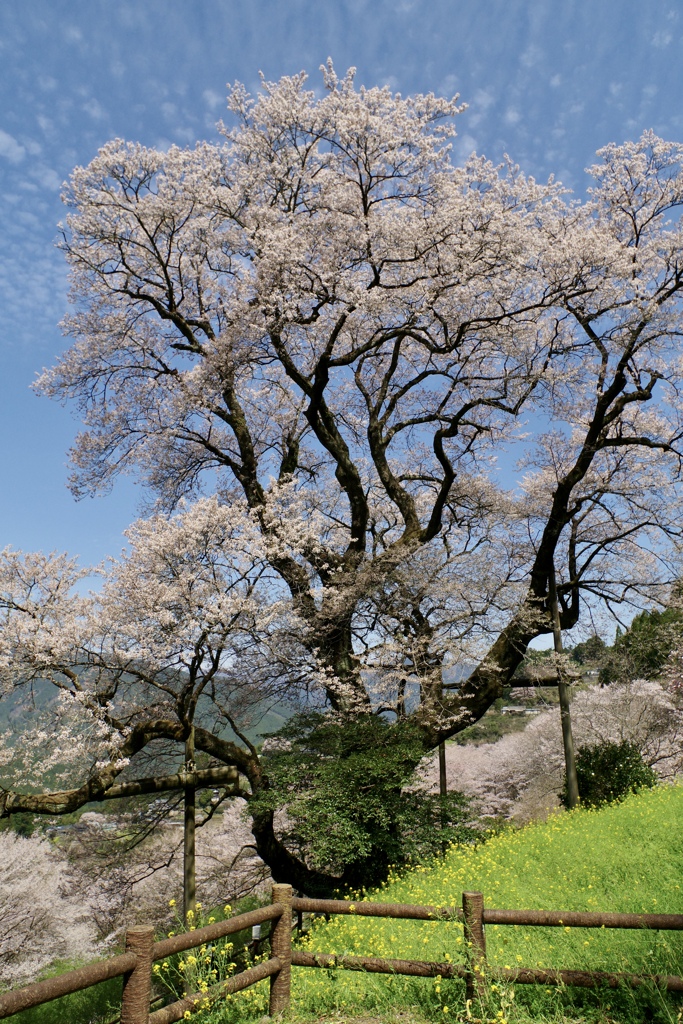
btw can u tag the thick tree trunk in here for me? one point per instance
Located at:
(285, 867)
(335, 651)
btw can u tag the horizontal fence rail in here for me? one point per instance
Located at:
(190, 940)
(581, 919)
(379, 965)
(119, 966)
(543, 918)
(523, 975)
(584, 979)
(135, 965)
(65, 984)
(406, 911)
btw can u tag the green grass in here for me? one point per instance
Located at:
(624, 857)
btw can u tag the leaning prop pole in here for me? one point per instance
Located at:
(443, 778)
(443, 788)
(189, 875)
(563, 689)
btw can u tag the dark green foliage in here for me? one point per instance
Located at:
(641, 652)
(344, 786)
(609, 771)
(23, 823)
(590, 652)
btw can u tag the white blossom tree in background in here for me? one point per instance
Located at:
(350, 344)
(521, 775)
(40, 920)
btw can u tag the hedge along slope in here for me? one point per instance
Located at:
(623, 857)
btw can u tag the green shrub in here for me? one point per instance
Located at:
(609, 771)
(353, 799)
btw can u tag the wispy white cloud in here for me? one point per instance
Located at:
(447, 86)
(531, 56)
(10, 149)
(483, 99)
(537, 76)
(73, 34)
(464, 146)
(95, 109)
(46, 177)
(391, 82)
(213, 99)
(662, 38)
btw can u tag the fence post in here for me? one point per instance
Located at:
(137, 984)
(473, 913)
(281, 947)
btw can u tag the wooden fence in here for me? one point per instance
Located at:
(136, 964)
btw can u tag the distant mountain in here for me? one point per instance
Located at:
(18, 705)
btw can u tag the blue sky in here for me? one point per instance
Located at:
(546, 82)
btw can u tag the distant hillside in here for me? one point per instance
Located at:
(19, 706)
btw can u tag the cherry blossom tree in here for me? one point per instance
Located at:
(150, 657)
(351, 344)
(521, 775)
(40, 921)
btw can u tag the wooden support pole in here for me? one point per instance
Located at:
(443, 783)
(281, 947)
(189, 855)
(563, 691)
(443, 789)
(137, 984)
(475, 943)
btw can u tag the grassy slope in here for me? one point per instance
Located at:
(626, 857)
